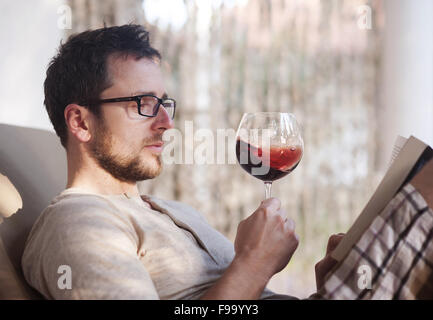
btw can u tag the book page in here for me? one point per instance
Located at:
(398, 145)
(394, 178)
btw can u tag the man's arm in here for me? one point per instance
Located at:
(237, 283)
(264, 244)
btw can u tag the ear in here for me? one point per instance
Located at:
(78, 120)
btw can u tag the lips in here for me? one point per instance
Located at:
(157, 146)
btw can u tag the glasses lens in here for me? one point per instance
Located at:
(148, 105)
(169, 105)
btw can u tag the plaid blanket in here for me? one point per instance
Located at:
(394, 257)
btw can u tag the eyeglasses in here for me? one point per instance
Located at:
(147, 104)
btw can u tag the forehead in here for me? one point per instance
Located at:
(129, 75)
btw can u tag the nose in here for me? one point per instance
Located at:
(162, 120)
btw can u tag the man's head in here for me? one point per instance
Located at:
(109, 63)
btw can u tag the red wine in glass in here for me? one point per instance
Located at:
(275, 163)
(269, 145)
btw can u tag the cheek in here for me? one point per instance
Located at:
(135, 140)
(134, 146)
(129, 135)
(131, 113)
(125, 144)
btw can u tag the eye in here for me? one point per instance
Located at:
(148, 105)
(148, 101)
(132, 104)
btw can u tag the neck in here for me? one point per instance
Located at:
(85, 173)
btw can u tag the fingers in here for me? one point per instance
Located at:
(289, 224)
(324, 265)
(327, 263)
(272, 204)
(333, 242)
(322, 268)
(282, 213)
(267, 238)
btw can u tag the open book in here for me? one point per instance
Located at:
(409, 156)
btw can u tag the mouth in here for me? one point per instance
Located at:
(155, 147)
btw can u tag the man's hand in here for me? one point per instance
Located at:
(266, 241)
(423, 183)
(264, 244)
(327, 263)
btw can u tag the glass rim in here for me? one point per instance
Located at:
(260, 114)
(267, 113)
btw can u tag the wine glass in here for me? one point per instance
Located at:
(269, 146)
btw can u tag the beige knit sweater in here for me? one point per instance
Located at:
(90, 246)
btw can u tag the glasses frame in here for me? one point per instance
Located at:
(137, 99)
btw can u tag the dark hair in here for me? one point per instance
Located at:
(79, 73)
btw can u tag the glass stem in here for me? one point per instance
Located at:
(268, 186)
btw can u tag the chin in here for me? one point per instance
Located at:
(152, 165)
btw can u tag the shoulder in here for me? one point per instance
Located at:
(73, 219)
(65, 210)
(79, 203)
(87, 233)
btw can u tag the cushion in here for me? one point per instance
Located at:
(35, 163)
(13, 286)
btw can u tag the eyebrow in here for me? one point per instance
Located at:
(164, 96)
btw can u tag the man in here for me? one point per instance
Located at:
(105, 96)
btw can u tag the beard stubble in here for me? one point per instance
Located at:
(127, 168)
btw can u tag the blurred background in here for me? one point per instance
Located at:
(355, 74)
